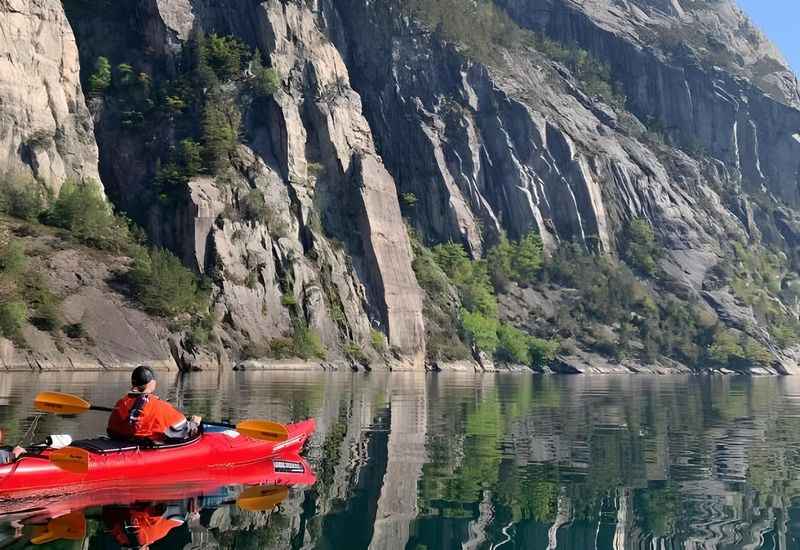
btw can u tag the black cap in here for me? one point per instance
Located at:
(142, 375)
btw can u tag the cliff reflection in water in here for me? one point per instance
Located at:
(459, 461)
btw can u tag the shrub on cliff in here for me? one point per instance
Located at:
(221, 121)
(13, 315)
(470, 278)
(21, 197)
(163, 285)
(641, 249)
(82, 210)
(266, 81)
(480, 331)
(513, 345)
(100, 80)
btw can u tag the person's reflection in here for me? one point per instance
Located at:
(141, 525)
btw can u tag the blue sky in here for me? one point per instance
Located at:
(780, 20)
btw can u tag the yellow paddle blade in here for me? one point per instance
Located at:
(70, 527)
(71, 459)
(61, 403)
(263, 429)
(262, 498)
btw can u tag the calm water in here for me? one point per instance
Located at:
(484, 462)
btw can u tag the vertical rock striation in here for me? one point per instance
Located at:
(45, 128)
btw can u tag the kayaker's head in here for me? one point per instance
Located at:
(143, 379)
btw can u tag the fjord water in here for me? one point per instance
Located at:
(414, 461)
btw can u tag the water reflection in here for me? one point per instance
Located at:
(481, 462)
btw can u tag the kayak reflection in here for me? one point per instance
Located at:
(137, 517)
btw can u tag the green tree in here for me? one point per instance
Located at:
(224, 55)
(82, 209)
(640, 246)
(513, 345)
(100, 80)
(526, 260)
(221, 121)
(21, 197)
(542, 351)
(266, 81)
(480, 331)
(190, 153)
(163, 285)
(125, 75)
(13, 315)
(499, 261)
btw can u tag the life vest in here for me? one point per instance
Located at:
(142, 416)
(135, 527)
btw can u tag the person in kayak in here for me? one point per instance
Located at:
(141, 415)
(9, 454)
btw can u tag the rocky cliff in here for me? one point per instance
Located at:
(383, 120)
(45, 128)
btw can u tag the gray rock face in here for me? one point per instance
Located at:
(45, 128)
(707, 76)
(334, 241)
(372, 106)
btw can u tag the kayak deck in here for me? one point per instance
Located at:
(35, 473)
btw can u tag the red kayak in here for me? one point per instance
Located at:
(113, 464)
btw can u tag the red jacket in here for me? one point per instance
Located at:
(138, 526)
(151, 422)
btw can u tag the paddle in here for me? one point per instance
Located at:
(65, 403)
(71, 527)
(262, 497)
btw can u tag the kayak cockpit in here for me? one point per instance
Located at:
(106, 445)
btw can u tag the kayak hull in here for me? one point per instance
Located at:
(36, 475)
(171, 488)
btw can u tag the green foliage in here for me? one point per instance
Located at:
(526, 259)
(21, 197)
(44, 306)
(355, 354)
(641, 250)
(221, 121)
(725, 349)
(513, 345)
(13, 261)
(224, 55)
(307, 343)
(75, 331)
(190, 154)
(288, 299)
(409, 199)
(542, 352)
(100, 80)
(200, 331)
(163, 285)
(13, 315)
(518, 261)
(82, 210)
(479, 26)
(126, 75)
(594, 75)
(480, 331)
(377, 340)
(266, 81)
(470, 278)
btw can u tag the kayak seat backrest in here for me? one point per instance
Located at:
(105, 445)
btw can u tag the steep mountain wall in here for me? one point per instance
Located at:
(379, 120)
